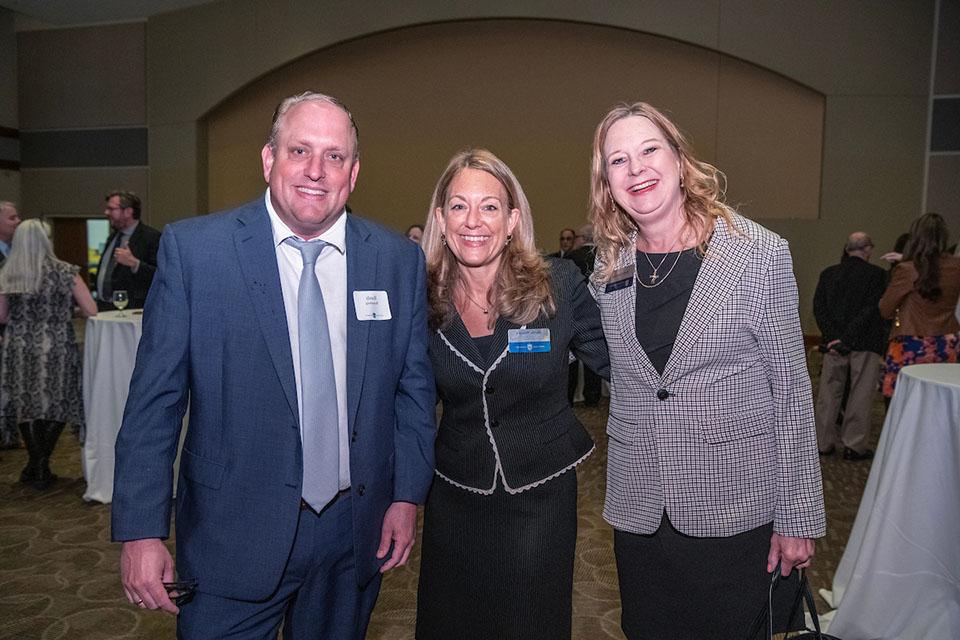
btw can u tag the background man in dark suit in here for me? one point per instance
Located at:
(854, 339)
(583, 255)
(129, 258)
(9, 219)
(233, 318)
(567, 238)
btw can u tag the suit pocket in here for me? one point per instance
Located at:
(621, 429)
(721, 429)
(201, 470)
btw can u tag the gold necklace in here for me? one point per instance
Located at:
(486, 310)
(653, 278)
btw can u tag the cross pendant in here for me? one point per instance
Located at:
(653, 277)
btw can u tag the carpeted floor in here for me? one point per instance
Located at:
(58, 569)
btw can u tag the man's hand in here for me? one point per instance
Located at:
(791, 552)
(400, 528)
(144, 566)
(124, 256)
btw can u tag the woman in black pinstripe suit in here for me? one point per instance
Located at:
(501, 520)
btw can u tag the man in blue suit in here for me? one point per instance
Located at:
(223, 329)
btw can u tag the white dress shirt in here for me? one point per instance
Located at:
(331, 270)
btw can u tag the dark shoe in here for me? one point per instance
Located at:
(828, 452)
(31, 436)
(45, 477)
(850, 454)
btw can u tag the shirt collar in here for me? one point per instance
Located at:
(4, 248)
(335, 236)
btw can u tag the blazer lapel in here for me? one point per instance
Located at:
(627, 319)
(457, 335)
(258, 261)
(727, 256)
(362, 262)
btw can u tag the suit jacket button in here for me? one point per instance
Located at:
(353, 438)
(663, 394)
(489, 389)
(360, 490)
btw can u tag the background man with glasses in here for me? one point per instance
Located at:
(129, 258)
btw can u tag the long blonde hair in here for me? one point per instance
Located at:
(521, 290)
(31, 254)
(703, 187)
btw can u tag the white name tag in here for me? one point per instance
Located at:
(528, 340)
(371, 305)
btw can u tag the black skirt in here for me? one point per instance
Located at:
(498, 566)
(677, 587)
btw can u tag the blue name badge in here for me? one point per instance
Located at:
(528, 340)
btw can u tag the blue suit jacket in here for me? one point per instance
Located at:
(215, 333)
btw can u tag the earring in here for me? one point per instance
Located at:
(443, 239)
(509, 238)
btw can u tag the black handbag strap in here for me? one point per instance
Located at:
(805, 595)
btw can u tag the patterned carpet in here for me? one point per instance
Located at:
(58, 569)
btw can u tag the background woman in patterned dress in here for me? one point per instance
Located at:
(40, 379)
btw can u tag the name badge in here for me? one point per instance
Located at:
(621, 279)
(528, 340)
(371, 305)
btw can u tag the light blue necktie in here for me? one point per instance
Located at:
(318, 397)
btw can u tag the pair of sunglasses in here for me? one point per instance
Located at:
(181, 592)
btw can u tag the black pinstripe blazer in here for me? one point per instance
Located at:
(508, 417)
(724, 439)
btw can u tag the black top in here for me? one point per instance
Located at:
(660, 309)
(483, 344)
(845, 305)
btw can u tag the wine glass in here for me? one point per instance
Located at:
(120, 300)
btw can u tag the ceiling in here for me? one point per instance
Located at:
(79, 12)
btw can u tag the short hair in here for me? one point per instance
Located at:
(127, 199)
(857, 241)
(415, 226)
(6, 204)
(522, 288)
(310, 96)
(586, 232)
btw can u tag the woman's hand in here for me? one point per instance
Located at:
(790, 552)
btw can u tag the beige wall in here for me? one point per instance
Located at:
(870, 60)
(90, 79)
(533, 95)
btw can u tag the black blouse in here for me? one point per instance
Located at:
(660, 309)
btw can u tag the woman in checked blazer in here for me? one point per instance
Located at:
(713, 475)
(500, 523)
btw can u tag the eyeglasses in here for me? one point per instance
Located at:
(181, 592)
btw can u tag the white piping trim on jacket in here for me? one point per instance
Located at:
(498, 470)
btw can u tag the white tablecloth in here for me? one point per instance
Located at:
(109, 353)
(899, 577)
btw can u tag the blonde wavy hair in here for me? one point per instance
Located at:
(522, 289)
(703, 187)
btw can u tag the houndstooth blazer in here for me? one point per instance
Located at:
(724, 440)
